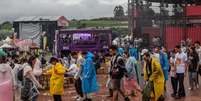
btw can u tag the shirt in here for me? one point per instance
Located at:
(79, 64)
(157, 56)
(198, 50)
(37, 70)
(28, 73)
(172, 71)
(15, 71)
(180, 61)
(73, 69)
(117, 66)
(27, 68)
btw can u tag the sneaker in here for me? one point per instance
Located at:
(189, 88)
(197, 86)
(87, 99)
(109, 96)
(173, 95)
(78, 99)
(183, 95)
(178, 97)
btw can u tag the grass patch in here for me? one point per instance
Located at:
(100, 23)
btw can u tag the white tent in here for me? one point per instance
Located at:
(5, 45)
(7, 40)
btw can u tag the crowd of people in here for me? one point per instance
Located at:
(130, 73)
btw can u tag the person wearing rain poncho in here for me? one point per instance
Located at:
(57, 79)
(133, 76)
(153, 75)
(120, 52)
(7, 79)
(88, 76)
(162, 57)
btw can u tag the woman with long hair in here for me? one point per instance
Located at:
(193, 60)
(30, 84)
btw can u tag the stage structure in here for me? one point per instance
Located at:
(38, 28)
(170, 20)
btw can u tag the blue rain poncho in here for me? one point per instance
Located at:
(132, 66)
(164, 64)
(120, 51)
(88, 75)
(134, 52)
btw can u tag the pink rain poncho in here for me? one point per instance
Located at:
(6, 83)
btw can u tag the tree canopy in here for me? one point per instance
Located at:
(119, 12)
(6, 26)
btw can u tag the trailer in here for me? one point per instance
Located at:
(82, 40)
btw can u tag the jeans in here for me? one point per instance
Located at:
(192, 79)
(174, 85)
(35, 98)
(197, 81)
(57, 97)
(180, 80)
(78, 87)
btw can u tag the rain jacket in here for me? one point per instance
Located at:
(120, 51)
(132, 66)
(88, 75)
(156, 77)
(134, 52)
(165, 64)
(163, 59)
(7, 81)
(57, 79)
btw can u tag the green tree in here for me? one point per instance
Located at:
(119, 12)
(6, 26)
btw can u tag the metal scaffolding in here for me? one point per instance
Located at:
(136, 10)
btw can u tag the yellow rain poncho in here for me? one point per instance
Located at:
(157, 77)
(57, 79)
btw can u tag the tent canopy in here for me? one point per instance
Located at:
(5, 45)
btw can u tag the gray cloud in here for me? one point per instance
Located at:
(69, 8)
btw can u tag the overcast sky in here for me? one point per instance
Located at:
(80, 9)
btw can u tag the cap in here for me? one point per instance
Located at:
(144, 51)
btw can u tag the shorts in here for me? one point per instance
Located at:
(116, 84)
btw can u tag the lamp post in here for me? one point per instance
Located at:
(162, 22)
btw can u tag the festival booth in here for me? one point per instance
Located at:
(26, 45)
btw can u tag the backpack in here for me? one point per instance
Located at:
(97, 63)
(20, 74)
(117, 71)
